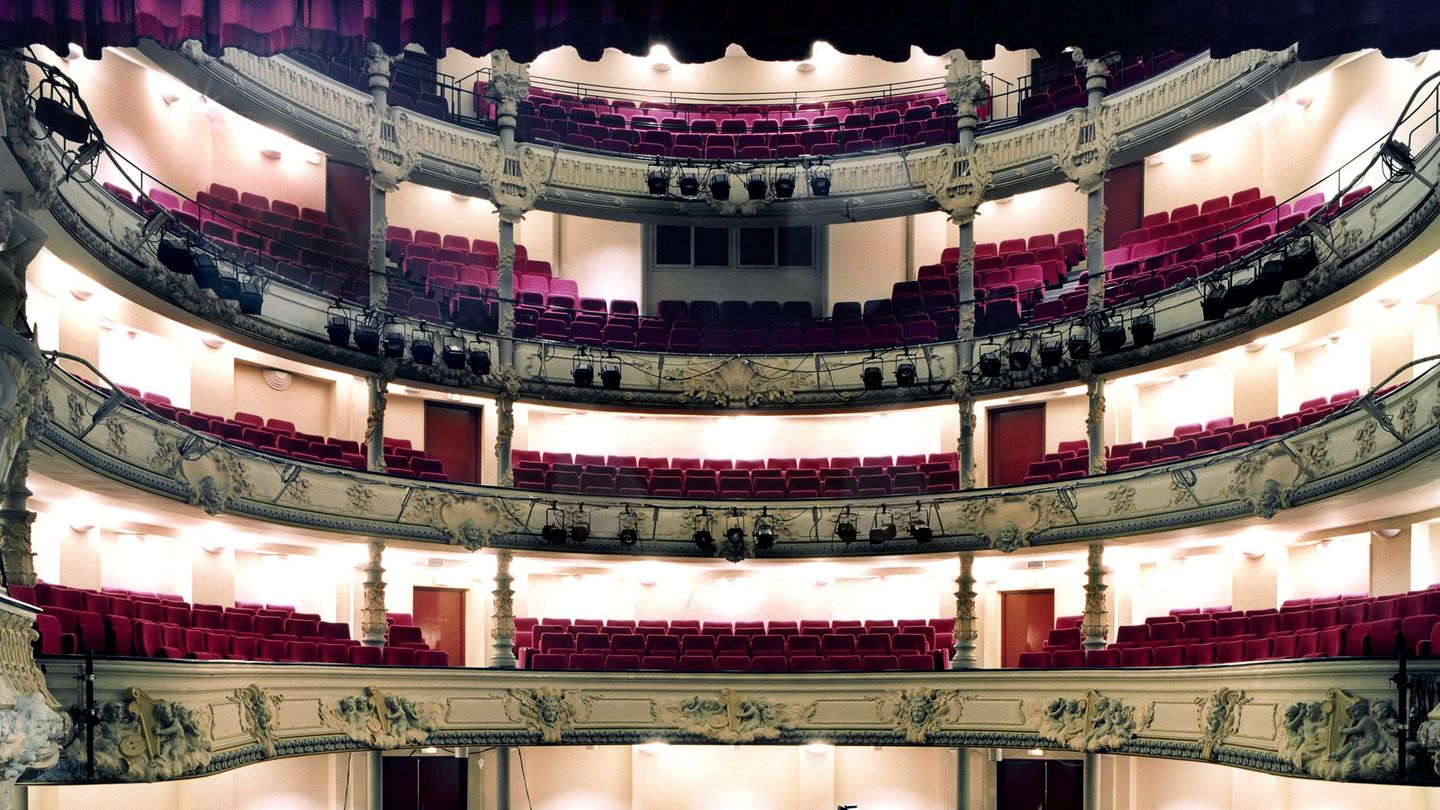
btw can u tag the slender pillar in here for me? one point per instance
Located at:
(502, 777)
(375, 781)
(377, 72)
(15, 522)
(967, 436)
(372, 613)
(1096, 83)
(375, 425)
(502, 624)
(1094, 419)
(1095, 625)
(965, 86)
(505, 286)
(962, 779)
(509, 85)
(965, 633)
(1092, 782)
(504, 437)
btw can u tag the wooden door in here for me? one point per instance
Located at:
(423, 783)
(1015, 439)
(1025, 619)
(1124, 201)
(452, 435)
(1039, 784)
(440, 615)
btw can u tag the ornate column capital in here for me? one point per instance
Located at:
(956, 179)
(964, 85)
(377, 67)
(509, 82)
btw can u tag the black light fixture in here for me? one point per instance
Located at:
(176, 257)
(1240, 295)
(1019, 359)
(629, 527)
(918, 525)
(1078, 346)
(452, 352)
(873, 378)
(579, 525)
(582, 371)
(819, 174)
(657, 179)
(905, 371)
(1270, 278)
(610, 372)
(57, 117)
(205, 269)
(784, 185)
(734, 537)
(1112, 337)
(989, 364)
(1051, 352)
(422, 346)
(688, 182)
(720, 184)
(1213, 304)
(1300, 259)
(1142, 329)
(553, 532)
(337, 325)
(367, 337)
(882, 528)
(702, 538)
(756, 186)
(1395, 155)
(764, 531)
(227, 285)
(252, 292)
(845, 526)
(393, 343)
(479, 357)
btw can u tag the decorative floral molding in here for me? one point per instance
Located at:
(918, 713)
(382, 720)
(732, 718)
(551, 712)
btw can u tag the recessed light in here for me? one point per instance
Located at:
(273, 154)
(169, 97)
(213, 341)
(81, 293)
(1255, 346)
(805, 67)
(1196, 157)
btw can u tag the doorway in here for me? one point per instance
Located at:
(1039, 784)
(452, 436)
(1025, 619)
(1015, 439)
(440, 615)
(424, 783)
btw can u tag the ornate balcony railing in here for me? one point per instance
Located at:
(336, 119)
(1366, 441)
(157, 720)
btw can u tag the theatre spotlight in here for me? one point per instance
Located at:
(905, 371)
(252, 292)
(610, 372)
(734, 537)
(882, 528)
(1078, 346)
(629, 531)
(393, 343)
(845, 526)
(422, 346)
(819, 174)
(57, 117)
(579, 525)
(702, 538)
(227, 285)
(367, 337)
(1051, 352)
(337, 325)
(1142, 329)
(479, 358)
(1112, 337)
(1019, 359)
(989, 364)
(1240, 294)
(582, 371)
(918, 524)
(720, 184)
(688, 182)
(452, 352)
(784, 185)
(1213, 305)
(873, 378)
(764, 531)
(1395, 155)
(1300, 259)
(553, 532)
(755, 187)
(176, 257)
(206, 270)
(657, 179)
(1270, 278)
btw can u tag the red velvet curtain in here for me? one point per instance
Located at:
(699, 30)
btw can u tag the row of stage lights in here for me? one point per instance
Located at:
(779, 181)
(389, 340)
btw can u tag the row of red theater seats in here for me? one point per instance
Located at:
(732, 663)
(937, 634)
(1071, 461)
(647, 476)
(279, 437)
(814, 142)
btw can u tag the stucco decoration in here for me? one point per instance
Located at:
(1341, 737)
(1427, 735)
(381, 720)
(514, 183)
(917, 713)
(257, 715)
(1219, 717)
(551, 712)
(472, 521)
(956, 179)
(30, 734)
(733, 382)
(1265, 480)
(142, 740)
(1121, 500)
(733, 718)
(1082, 152)
(213, 477)
(1008, 522)
(1092, 723)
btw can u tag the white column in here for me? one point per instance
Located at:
(965, 633)
(967, 441)
(372, 614)
(502, 627)
(502, 777)
(509, 85)
(1095, 625)
(1092, 782)
(1096, 83)
(1094, 419)
(15, 521)
(962, 779)
(375, 781)
(505, 287)
(504, 436)
(377, 72)
(375, 424)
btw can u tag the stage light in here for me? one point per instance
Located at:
(1213, 305)
(704, 541)
(882, 528)
(176, 258)
(919, 527)
(756, 185)
(367, 337)
(393, 344)
(1051, 353)
(989, 364)
(1079, 347)
(337, 325)
(819, 179)
(583, 374)
(1395, 155)
(1112, 337)
(610, 373)
(1019, 360)
(479, 358)
(905, 372)
(227, 286)
(61, 120)
(784, 185)
(873, 378)
(688, 182)
(1300, 259)
(764, 531)
(206, 271)
(629, 530)
(553, 532)
(1142, 329)
(1240, 295)
(452, 352)
(845, 526)
(580, 526)
(657, 180)
(252, 292)
(734, 544)
(720, 185)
